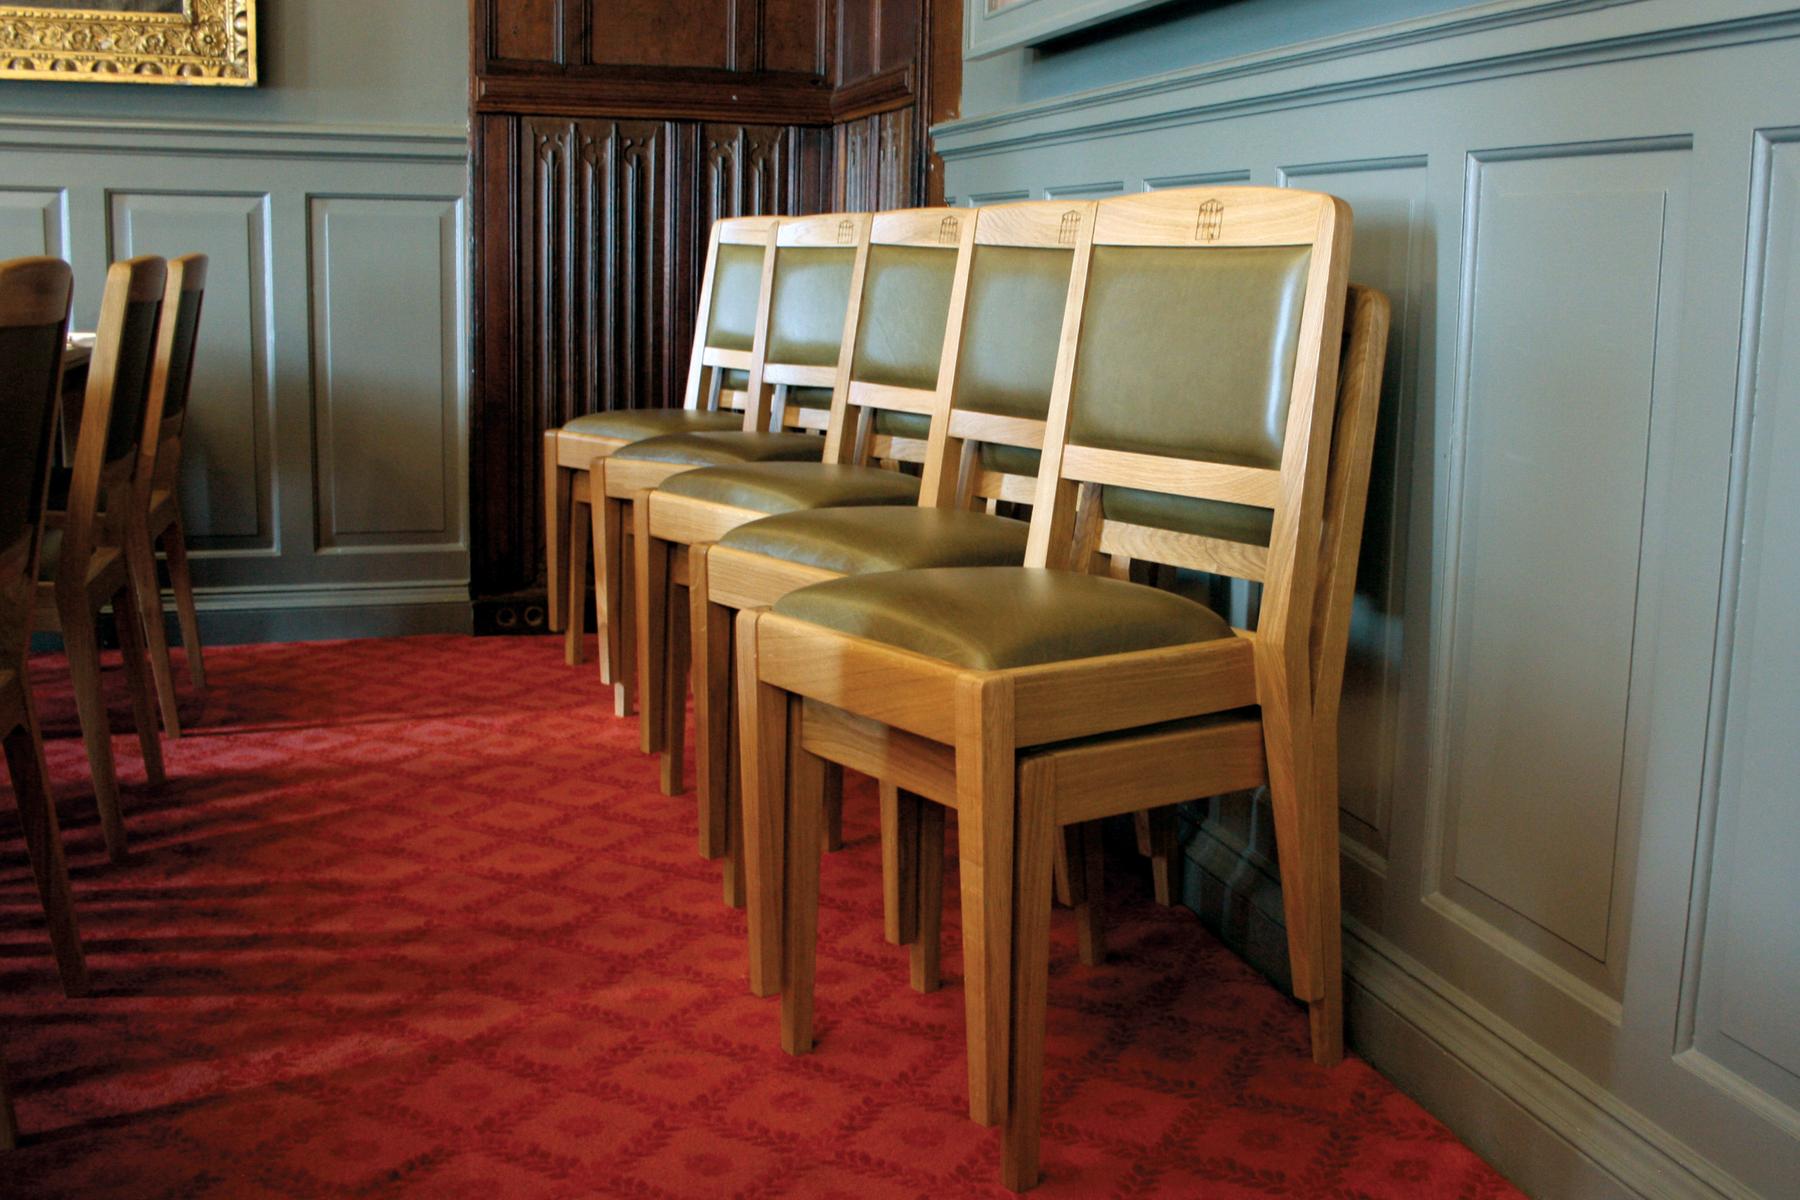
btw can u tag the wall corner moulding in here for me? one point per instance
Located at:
(186, 42)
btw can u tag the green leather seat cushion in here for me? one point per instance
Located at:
(779, 487)
(993, 618)
(725, 448)
(858, 541)
(902, 424)
(636, 424)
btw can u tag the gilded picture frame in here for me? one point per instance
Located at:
(207, 43)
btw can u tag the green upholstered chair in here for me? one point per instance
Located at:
(888, 340)
(785, 351)
(948, 681)
(724, 328)
(34, 320)
(987, 404)
(82, 563)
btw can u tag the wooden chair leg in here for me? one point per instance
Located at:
(1087, 853)
(575, 576)
(1034, 851)
(130, 625)
(1157, 841)
(556, 506)
(83, 649)
(927, 944)
(800, 918)
(711, 628)
(1306, 841)
(619, 625)
(762, 831)
(675, 686)
(834, 807)
(605, 551)
(174, 545)
(140, 567)
(985, 758)
(651, 556)
(43, 845)
(899, 865)
(9, 1124)
(736, 881)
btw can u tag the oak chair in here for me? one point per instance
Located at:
(155, 512)
(1083, 782)
(82, 562)
(885, 362)
(34, 316)
(986, 394)
(1209, 449)
(802, 292)
(723, 329)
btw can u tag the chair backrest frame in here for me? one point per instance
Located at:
(766, 404)
(854, 402)
(165, 412)
(707, 364)
(952, 471)
(35, 293)
(131, 282)
(1068, 525)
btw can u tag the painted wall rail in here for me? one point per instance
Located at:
(1568, 816)
(325, 473)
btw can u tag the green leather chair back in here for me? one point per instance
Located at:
(905, 306)
(807, 306)
(737, 287)
(1011, 325)
(1189, 353)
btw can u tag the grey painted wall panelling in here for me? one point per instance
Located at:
(324, 380)
(325, 469)
(1559, 205)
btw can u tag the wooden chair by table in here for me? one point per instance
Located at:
(806, 286)
(1206, 448)
(83, 560)
(723, 329)
(155, 516)
(987, 398)
(34, 314)
(34, 320)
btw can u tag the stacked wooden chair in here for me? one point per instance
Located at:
(812, 268)
(1034, 697)
(85, 559)
(713, 401)
(886, 359)
(984, 388)
(34, 312)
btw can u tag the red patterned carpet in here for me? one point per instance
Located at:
(412, 918)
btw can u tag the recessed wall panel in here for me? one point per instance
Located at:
(226, 482)
(1564, 270)
(32, 222)
(387, 373)
(1750, 952)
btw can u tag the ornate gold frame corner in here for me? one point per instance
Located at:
(210, 43)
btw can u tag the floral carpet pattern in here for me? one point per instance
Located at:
(412, 918)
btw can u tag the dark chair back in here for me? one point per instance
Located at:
(34, 324)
